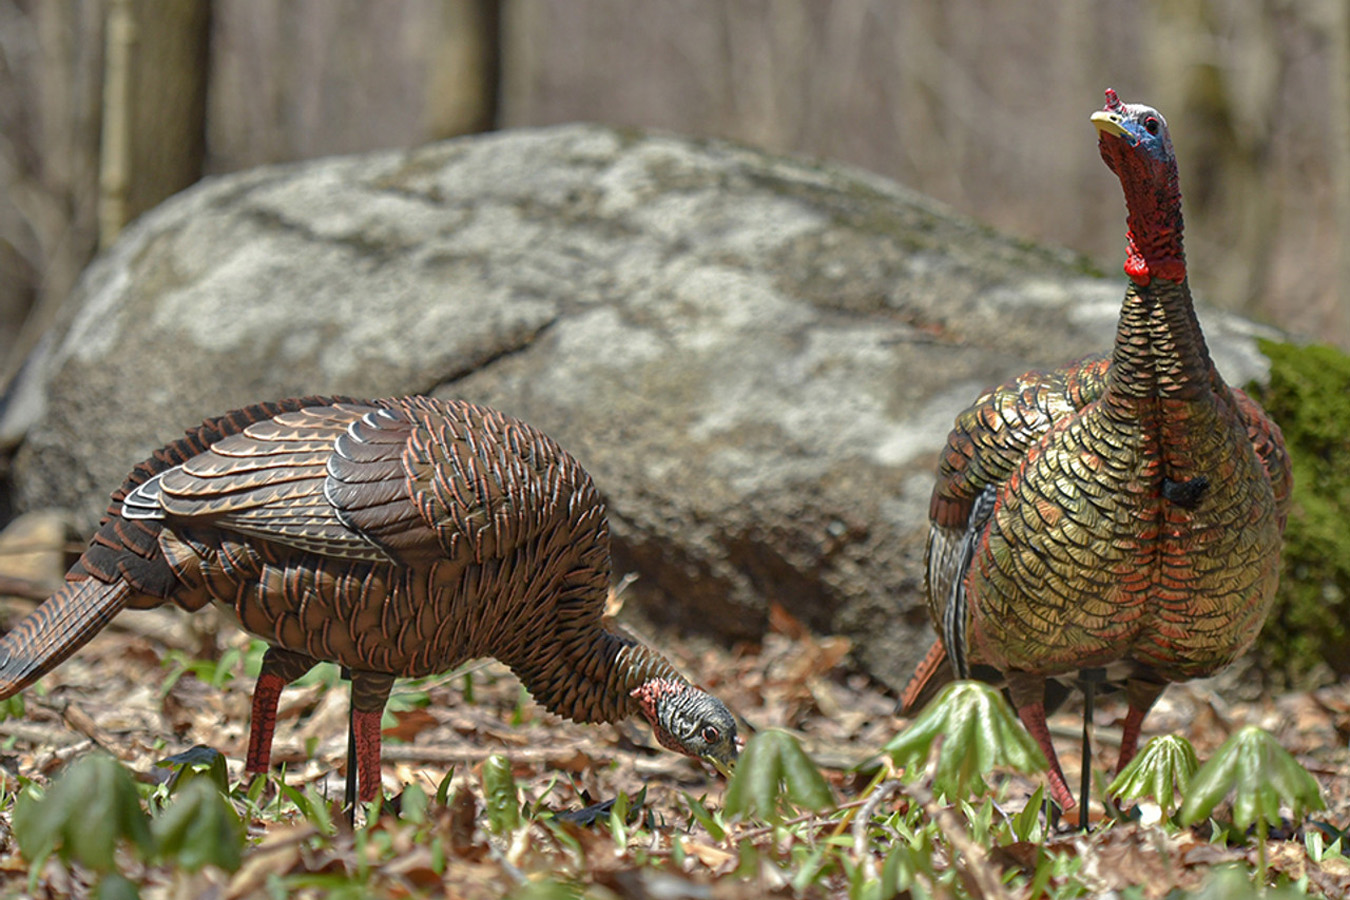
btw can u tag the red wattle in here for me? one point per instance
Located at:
(1135, 265)
(1142, 271)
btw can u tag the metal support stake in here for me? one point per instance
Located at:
(351, 748)
(1088, 680)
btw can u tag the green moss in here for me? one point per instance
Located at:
(1309, 396)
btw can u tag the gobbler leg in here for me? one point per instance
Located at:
(1142, 695)
(1028, 695)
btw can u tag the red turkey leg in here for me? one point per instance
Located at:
(1129, 737)
(367, 725)
(263, 722)
(279, 668)
(1033, 717)
(1028, 693)
(1142, 695)
(370, 692)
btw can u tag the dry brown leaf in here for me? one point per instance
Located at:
(1207, 854)
(785, 623)
(1285, 856)
(711, 857)
(459, 828)
(411, 723)
(277, 855)
(793, 679)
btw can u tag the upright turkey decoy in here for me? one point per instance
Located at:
(1119, 517)
(395, 537)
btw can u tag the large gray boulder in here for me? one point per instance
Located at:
(757, 358)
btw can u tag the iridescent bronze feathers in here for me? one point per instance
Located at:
(1132, 504)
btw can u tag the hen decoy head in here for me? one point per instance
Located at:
(690, 721)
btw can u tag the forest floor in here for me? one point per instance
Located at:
(158, 683)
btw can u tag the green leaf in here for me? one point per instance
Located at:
(806, 787)
(808, 870)
(1313, 843)
(257, 784)
(753, 788)
(302, 803)
(618, 816)
(1263, 775)
(115, 886)
(1161, 771)
(705, 817)
(200, 828)
(37, 825)
(772, 771)
(199, 761)
(503, 800)
(897, 873)
(981, 820)
(443, 789)
(87, 810)
(523, 703)
(196, 755)
(1234, 882)
(413, 804)
(224, 667)
(1041, 876)
(11, 707)
(1024, 823)
(978, 732)
(309, 804)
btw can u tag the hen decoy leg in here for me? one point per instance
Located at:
(279, 668)
(370, 692)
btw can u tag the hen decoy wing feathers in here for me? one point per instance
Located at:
(323, 479)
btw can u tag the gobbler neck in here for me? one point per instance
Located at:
(1155, 225)
(1160, 351)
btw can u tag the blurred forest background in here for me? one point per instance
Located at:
(109, 106)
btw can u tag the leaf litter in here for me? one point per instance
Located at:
(128, 694)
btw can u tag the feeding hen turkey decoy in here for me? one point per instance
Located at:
(1119, 517)
(395, 537)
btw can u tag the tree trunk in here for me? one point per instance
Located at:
(154, 106)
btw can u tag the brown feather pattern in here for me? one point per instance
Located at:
(395, 537)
